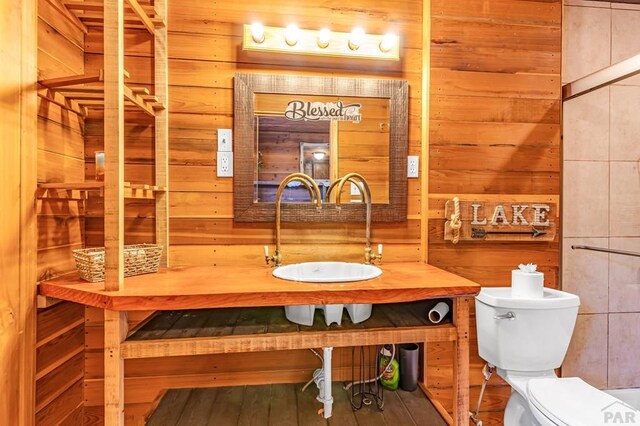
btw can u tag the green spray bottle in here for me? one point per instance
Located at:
(388, 368)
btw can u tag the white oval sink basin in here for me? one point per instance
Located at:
(327, 272)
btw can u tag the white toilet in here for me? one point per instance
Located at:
(526, 339)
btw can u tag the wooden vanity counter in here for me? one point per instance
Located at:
(248, 285)
(251, 286)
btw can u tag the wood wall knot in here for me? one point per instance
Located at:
(7, 319)
(443, 41)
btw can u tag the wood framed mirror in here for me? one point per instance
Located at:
(322, 126)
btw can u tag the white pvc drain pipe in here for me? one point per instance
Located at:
(322, 379)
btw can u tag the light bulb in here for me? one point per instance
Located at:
(291, 34)
(257, 32)
(324, 35)
(318, 155)
(357, 36)
(389, 41)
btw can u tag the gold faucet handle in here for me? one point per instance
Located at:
(276, 259)
(370, 256)
(268, 259)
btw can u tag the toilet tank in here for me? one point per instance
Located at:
(530, 334)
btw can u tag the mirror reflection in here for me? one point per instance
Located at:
(324, 137)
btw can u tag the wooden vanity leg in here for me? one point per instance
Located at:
(115, 331)
(423, 351)
(461, 362)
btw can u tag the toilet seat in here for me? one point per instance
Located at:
(567, 402)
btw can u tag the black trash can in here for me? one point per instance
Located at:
(409, 360)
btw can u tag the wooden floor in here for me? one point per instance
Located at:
(284, 405)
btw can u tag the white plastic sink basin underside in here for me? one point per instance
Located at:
(327, 272)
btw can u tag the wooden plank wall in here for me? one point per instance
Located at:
(60, 329)
(494, 135)
(15, 146)
(204, 53)
(60, 364)
(60, 144)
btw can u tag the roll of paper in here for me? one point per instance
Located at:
(527, 283)
(438, 312)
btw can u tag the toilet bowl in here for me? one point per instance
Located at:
(526, 339)
(571, 401)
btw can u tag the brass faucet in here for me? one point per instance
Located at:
(314, 196)
(327, 195)
(365, 192)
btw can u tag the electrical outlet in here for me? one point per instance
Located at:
(413, 162)
(225, 164)
(225, 140)
(354, 189)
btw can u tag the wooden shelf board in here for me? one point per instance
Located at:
(90, 103)
(73, 80)
(63, 103)
(149, 98)
(81, 190)
(97, 19)
(138, 16)
(142, 16)
(140, 90)
(87, 96)
(284, 341)
(97, 6)
(215, 331)
(138, 101)
(75, 98)
(68, 15)
(83, 186)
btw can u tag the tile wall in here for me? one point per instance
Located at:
(601, 195)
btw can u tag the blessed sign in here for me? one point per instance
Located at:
(322, 111)
(504, 221)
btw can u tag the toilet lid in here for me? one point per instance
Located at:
(571, 401)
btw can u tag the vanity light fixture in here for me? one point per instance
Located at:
(357, 36)
(257, 32)
(318, 155)
(291, 34)
(324, 36)
(356, 44)
(389, 41)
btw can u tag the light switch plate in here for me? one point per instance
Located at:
(413, 163)
(225, 140)
(224, 164)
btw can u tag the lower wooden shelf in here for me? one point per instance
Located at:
(231, 330)
(287, 405)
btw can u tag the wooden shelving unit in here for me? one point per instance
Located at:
(107, 92)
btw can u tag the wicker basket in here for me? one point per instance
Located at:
(138, 259)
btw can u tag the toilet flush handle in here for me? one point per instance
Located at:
(508, 316)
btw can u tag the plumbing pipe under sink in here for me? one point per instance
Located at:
(322, 379)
